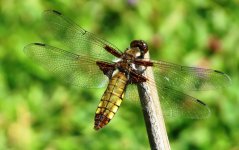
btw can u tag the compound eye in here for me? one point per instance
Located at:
(144, 47)
(140, 44)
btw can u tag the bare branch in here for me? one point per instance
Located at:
(153, 115)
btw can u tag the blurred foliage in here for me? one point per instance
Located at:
(37, 111)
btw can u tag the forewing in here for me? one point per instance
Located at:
(188, 78)
(76, 38)
(75, 69)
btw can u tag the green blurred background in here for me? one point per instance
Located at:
(37, 111)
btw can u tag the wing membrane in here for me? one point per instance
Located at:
(131, 93)
(178, 104)
(75, 69)
(170, 78)
(188, 78)
(173, 102)
(76, 38)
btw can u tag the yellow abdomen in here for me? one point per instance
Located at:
(111, 100)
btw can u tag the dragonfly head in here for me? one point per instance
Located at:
(143, 47)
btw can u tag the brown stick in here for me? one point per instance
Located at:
(153, 115)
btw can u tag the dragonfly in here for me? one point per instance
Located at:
(92, 62)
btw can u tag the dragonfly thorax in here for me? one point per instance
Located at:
(133, 53)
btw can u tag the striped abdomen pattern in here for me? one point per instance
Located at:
(111, 100)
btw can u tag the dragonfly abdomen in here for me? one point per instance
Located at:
(111, 100)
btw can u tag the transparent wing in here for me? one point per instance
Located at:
(131, 93)
(173, 103)
(75, 69)
(188, 78)
(178, 104)
(78, 40)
